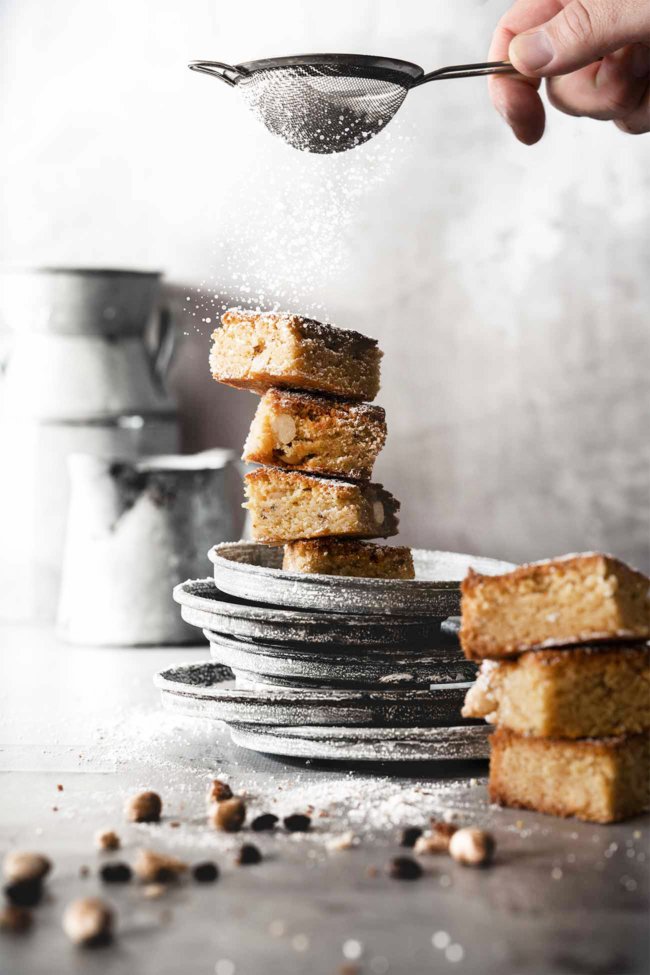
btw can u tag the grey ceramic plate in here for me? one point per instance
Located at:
(390, 744)
(307, 665)
(252, 571)
(206, 606)
(207, 690)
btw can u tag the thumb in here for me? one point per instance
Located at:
(581, 33)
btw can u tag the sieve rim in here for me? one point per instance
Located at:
(406, 72)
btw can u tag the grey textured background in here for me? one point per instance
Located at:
(508, 286)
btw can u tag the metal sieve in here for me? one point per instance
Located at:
(331, 102)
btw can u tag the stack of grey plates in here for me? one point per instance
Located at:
(331, 667)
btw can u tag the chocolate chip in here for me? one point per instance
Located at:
(264, 822)
(24, 893)
(206, 872)
(403, 868)
(116, 873)
(410, 836)
(297, 823)
(15, 919)
(247, 855)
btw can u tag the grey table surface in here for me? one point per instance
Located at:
(562, 896)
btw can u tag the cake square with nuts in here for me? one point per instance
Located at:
(287, 505)
(575, 599)
(585, 692)
(314, 434)
(345, 557)
(600, 780)
(256, 350)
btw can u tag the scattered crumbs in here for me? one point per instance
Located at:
(454, 953)
(55, 808)
(174, 824)
(637, 834)
(519, 824)
(440, 940)
(84, 871)
(444, 880)
(629, 883)
(556, 873)
(59, 788)
(277, 929)
(300, 942)
(379, 965)
(154, 891)
(352, 949)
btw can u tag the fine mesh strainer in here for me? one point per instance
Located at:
(331, 102)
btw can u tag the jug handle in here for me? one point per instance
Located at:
(164, 343)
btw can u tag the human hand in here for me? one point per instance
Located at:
(562, 40)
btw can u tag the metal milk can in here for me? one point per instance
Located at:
(85, 373)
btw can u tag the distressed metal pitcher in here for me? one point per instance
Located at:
(134, 531)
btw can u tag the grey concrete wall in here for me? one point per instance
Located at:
(509, 287)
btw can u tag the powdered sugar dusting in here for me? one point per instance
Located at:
(286, 233)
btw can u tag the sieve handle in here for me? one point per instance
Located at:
(219, 69)
(466, 71)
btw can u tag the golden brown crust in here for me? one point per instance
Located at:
(561, 602)
(288, 505)
(585, 692)
(316, 434)
(348, 557)
(597, 780)
(256, 350)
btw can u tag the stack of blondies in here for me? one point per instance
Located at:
(317, 436)
(565, 676)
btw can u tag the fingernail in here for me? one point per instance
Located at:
(640, 63)
(532, 51)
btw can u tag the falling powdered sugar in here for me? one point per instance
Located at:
(286, 233)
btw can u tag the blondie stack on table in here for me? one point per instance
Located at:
(565, 677)
(317, 436)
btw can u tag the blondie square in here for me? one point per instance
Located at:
(286, 505)
(600, 780)
(342, 557)
(315, 434)
(576, 599)
(255, 350)
(586, 692)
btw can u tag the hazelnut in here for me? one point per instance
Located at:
(472, 847)
(25, 866)
(107, 839)
(284, 427)
(88, 922)
(15, 919)
(144, 808)
(219, 791)
(228, 815)
(435, 841)
(378, 512)
(157, 868)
